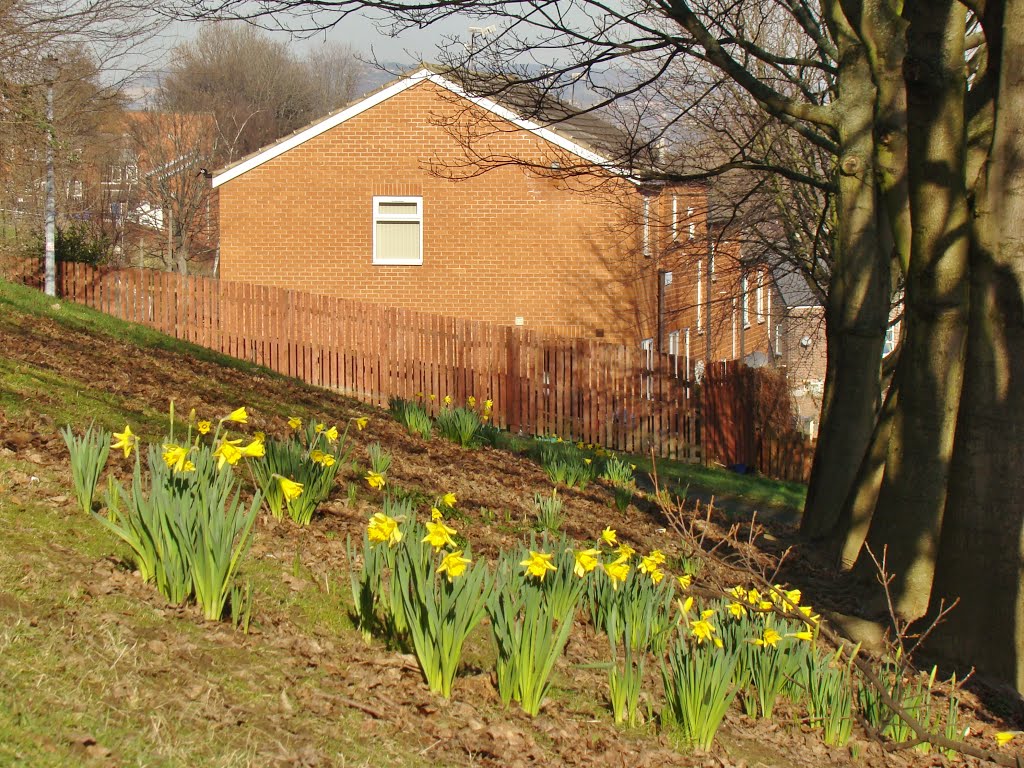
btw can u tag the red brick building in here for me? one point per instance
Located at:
(425, 197)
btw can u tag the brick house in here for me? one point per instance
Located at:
(387, 201)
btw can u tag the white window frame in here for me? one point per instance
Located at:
(760, 297)
(673, 350)
(647, 377)
(711, 267)
(700, 297)
(745, 300)
(647, 227)
(675, 219)
(686, 346)
(693, 224)
(397, 217)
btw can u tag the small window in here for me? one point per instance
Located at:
(647, 228)
(693, 224)
(675, 219)
(890, 341)
(646, 378)
(711, 268)
(673, 350)
(398, 230)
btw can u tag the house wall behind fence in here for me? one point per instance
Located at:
(575, 388)
(558, 253)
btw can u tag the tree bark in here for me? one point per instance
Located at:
(858, 301)
(980, 550)
(908, 515)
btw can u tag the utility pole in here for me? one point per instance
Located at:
(50, 215)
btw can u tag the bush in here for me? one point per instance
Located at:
(460, 425)
(412, 416)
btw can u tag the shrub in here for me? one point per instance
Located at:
(549, 511)
(412, 416)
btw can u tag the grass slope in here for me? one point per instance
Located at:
(95, 670)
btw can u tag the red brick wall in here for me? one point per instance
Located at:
(499, 245)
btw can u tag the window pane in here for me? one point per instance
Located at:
(398, 241)
(407, 209)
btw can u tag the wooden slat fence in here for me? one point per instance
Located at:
(580, 389)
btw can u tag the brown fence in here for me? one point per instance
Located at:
(579, 389)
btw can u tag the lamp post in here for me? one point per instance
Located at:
(50, 264)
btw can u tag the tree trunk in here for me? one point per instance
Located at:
(908, 515)
(857, 304)
(980, 551)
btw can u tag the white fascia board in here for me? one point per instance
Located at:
(317, 128)
(404, 84)
(527, 125)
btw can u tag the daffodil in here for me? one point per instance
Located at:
(238, 415)
(176, 457)
(617, 572)
(255, 449)
(362, 421)
(588, 462)
(737, 609)
(488, 405)
(649, 563)
(656, 575)
(768, 637)
(586, 561)
(453, 565)
(319, 428)
(433, 397)
(204, 427)
(383, 528)
(447, 399)
(228, 452)
(449, 500)
(295, 422)
(804, 634)
(626, 552)
(684, 581)
(538, 564)
(125, 441)
(331, 435)
(703, 631)
(608, 536)
(579, 445)
(321, 458)
(291, 489)
(439, 535)
(738, 593)
(685, 606)
(374, 479)
(435, 514)
(471, 401)
(1005, 737)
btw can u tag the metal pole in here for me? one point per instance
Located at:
(50, 265)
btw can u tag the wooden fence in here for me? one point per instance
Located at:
(582, 390)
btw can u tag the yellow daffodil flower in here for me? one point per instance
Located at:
(439, 535)
(579, 445)
(703, 631)
(769, 637)
(435, 514)
(228, 452)
(738, 593)
(290, 488)
(633, 467)
(737, 610)
(608, 536)
(626, 552)
(295, 422)
(586, 561)
(453, 565)
(656, 575)
(238, 415)
(449, 500)
(331, 435)
(538, 564)
(125, 441)
(255, 449)
(804, 634)
(204, 427)
(617, 571)
(488, 405)
(362, 421)
(685, 606)
(471, 401)
(321, 458)
(176, 457)
(383, 528)
(320, 428)
(1005, 737)
(433, 397)
(588, 462)
(447, 399)
(374, 479)
(684, 581)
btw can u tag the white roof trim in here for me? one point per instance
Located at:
(383, 95)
